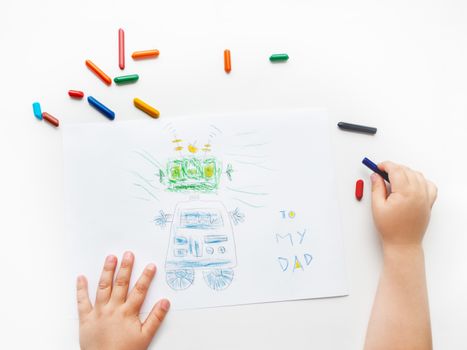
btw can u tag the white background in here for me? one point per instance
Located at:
(398, 65)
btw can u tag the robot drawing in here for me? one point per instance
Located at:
(201, 238)
(201, 231)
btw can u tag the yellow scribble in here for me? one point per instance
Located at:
(206, 150)
(192, 149)
(207, 145)
(177, 141)
(209, 170)
(178, 148)
(297, 264)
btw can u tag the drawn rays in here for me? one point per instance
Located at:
(246, 155)
(250, 152)
(253, 145)
(148, 157)
(247, 192)
(246, 133)
(144, 185)
(244, 195)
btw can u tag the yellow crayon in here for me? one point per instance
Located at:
(146, 108)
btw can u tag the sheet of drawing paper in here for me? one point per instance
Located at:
(232, 209)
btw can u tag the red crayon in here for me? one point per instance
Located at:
(76, 94)
(121, 48)
(359, 189)
(50, 119)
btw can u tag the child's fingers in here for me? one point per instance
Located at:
(82, 297)
(420, 178)
(412, 177)
(378, 190)
(432, 192)
(138, 293)
(397, 175)
(122, 281)
(156, 317)
(428, 186)
(104, 289)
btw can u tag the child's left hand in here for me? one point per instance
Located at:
(113, 323)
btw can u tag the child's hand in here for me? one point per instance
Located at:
(113, 323)
(402, 216)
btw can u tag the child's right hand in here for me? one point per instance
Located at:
(402, 215)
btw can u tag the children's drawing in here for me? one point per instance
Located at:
(192, 174)
(227, 207)
(293, 239)
(201, 238)
(201, 231)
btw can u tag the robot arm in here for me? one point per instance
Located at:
(162, 219)
(237, 216)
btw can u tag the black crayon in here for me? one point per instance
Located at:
(357, 128)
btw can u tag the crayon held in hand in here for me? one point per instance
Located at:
(369, 164)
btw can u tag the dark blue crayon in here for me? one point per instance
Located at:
(375, 168)
(357, 128)
(101, 108)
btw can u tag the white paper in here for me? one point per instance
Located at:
(259, 221)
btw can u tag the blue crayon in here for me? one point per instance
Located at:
(375, 168)
(101, 108)
(36, 107)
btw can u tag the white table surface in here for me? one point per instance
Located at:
(398, 65)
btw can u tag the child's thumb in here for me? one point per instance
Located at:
(378, 190)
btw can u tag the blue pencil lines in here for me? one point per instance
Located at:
(208, 239)
(237, 216)
(162, 219)
(201, 220)
(183, 264)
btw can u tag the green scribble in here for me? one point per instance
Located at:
(161, 176)
(191, 174)
(229, 171)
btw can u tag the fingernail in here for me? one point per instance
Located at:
(110, 259)
(165, 305)
(373, 177)
(151, 267)
(127, 256)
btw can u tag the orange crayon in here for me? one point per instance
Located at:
(145, 54)
(227, 63)
(97, 71)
